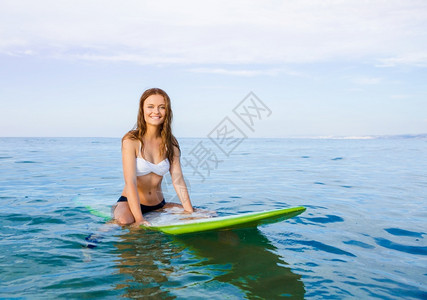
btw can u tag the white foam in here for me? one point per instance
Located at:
(176, 215)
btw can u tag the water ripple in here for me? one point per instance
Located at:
(325, 219)
(358, 244)
(402, 232)
(324, 247)
(417, 250)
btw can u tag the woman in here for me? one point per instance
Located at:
(148, 153)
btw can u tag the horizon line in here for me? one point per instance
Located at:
(347, 137)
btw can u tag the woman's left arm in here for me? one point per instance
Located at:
(179, 183)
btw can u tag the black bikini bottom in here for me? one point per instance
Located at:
(145, 208)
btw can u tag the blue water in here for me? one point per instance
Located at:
(363, 236)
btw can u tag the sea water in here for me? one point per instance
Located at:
(363, 235)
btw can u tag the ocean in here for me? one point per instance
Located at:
(363, 235)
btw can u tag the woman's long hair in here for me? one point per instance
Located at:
(168, 140)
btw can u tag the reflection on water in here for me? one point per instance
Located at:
(239, 263)
(146, 258)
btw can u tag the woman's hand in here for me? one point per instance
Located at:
(143, 223)
(188, 210)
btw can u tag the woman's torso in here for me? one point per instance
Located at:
(149, 174)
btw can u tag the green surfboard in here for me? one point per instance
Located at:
(245, 220)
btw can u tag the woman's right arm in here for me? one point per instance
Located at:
(129, 173)
(179, 182)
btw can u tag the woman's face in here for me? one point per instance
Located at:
(154, 110)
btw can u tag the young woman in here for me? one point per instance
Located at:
(148, 153)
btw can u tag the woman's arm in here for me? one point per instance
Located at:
(179, 183)
(129, 173)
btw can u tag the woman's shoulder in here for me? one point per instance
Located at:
(175, 147)
(129, 140)
(130, 135)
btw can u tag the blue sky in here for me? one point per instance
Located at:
(334, 68)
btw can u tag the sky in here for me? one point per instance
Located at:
(322, 68)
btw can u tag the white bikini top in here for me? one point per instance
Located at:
(144, 167)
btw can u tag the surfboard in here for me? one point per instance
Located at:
(180, 226)
(245, 220)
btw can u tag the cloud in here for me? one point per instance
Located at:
(232, 71)
(243, 72)
(367, 80)
(217, 32)
(248, 73)
(401, 96)
(414, 59)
